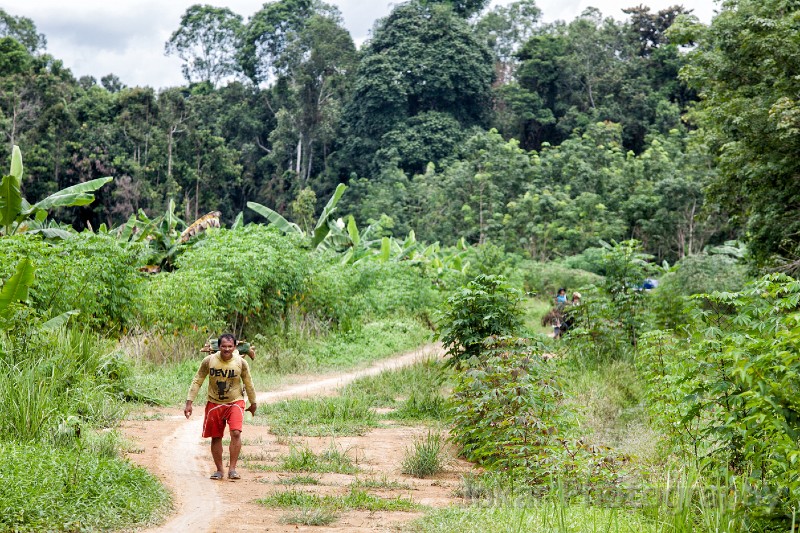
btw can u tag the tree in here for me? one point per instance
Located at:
(652, 28)
(267, 35)
(318, 63)
(23, 30)
(206, 42)
(745, 67)
(464, 8)
(420, 60)
(596, 69)
(506, 29)
(112, 83)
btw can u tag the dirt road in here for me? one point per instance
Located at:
(171, 447)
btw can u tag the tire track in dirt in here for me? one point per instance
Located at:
(183, 456)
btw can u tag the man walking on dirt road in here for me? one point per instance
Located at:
(225, 404)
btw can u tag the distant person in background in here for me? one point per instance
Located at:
(227, 375)
(568, 315)
(561, 297)
(556, 314)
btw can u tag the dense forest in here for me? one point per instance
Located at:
(451, 120)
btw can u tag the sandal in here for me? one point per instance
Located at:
(216, 475)
(233, 474)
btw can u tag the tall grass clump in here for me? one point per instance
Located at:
(69, 376)
(63, 391)
(426, 456)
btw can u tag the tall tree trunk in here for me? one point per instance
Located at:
(308, 164)
(481, 234)
(169, 153)
(299, 155)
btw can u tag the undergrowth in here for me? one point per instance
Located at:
(72, 489)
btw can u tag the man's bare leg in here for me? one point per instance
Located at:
(235, 448)
(216, 452)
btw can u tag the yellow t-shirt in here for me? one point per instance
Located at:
(225, 379)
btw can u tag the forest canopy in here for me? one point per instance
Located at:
(452, 119)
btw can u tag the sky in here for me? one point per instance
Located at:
(126, 37)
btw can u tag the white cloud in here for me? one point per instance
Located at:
(126, 37)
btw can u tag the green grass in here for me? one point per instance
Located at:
(298, 352)
(420, 406)
(611, 399)
(683, 503)
(44, 489)
(303, 459)
(299, 480)
(339, 415)
(415, 392)
(533, 310)
(355, 499)
(372, 341)
(534, 517)
(382, 483)
(384, 389)
(310, 516)
(426, 457)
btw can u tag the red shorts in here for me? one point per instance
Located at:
(218, 414)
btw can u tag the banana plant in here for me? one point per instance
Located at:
(17, 215)
(161, 234)
(327, 234)
(369, 246)
(16, 288)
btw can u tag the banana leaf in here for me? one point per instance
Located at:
(385, 249)
(322, 228)
(53, 233)
(79, 194)
(16, 288)
(16, 162)
(58, 321)
(352, 230)
(10, 200)
(274, 218)
(239, 221)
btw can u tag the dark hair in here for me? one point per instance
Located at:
(562, 289)
(229, 336)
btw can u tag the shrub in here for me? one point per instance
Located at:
(247, 275)
(341, 294)
(589, 260)
(694, 274)
(94, 274)
(486, 306)
(508, 410)
(611, 317)
(181, 301)
(728, 395)
(510, 415)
